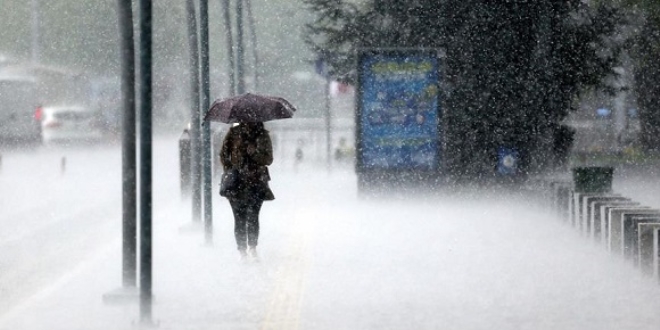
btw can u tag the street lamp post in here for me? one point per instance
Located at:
(230, 45)
(240, 75)
(36, 30)
(145, 163)
(206, 126)
(195, 143)
(129, 176)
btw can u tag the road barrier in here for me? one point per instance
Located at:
(599, 211)
(621, 225)
(647, 243)
(631, 233)
(615, 225)
(589, 203)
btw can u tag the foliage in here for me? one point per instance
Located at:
(84, 35)
(513, 68)
(645, 49)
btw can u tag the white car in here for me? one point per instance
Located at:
(70, 124)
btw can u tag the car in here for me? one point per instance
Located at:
(69, 124)
(17, 105)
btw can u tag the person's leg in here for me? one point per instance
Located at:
(240, 225)
(252, 219)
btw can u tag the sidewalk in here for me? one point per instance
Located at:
(330, 260)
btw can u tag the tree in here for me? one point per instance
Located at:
(645, 49)
(513, 68)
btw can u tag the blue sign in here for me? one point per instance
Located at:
(508, 161)
(398, 113)
(603, 112)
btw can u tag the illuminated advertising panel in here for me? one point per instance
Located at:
(398, 110)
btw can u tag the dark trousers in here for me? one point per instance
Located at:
(246, 221)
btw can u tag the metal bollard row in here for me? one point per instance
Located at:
(620, 225)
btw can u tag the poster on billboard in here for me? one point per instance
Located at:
(398, 110)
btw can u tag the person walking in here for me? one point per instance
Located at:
(248, 148)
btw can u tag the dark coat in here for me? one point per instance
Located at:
(250, 151)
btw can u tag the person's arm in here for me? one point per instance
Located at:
(225, 152)
(262, 152)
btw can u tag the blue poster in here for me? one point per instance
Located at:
(398, 110)
(507, 161)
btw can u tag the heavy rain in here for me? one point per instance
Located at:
(440, 164)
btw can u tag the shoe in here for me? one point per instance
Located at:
(244, 256)
(252, 254)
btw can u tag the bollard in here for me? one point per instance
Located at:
(576, 197)
(184, 163)
(563, 201)
(63, 165)
(298, 158)
(614, 231)
(606, 215)
(645, 246)
(631, 230)
(554, 196)
(656, 254)
(598, 209)
(587, 213)
(628, 231)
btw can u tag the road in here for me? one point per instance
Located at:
(57, 207)
(329, 259)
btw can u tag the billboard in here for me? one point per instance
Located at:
(398, 110)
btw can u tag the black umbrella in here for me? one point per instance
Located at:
(249, 108)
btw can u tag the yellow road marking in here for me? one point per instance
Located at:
(286, 301)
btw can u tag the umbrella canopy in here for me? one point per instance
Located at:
(249, 107)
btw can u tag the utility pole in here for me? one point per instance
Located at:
(253, 39)
(129, 177)
(146, 298)
(322, 69)
(128, 291)
(328, 127)
(239, 48)
(206, 126)
(195, 135)
(36, 32)
(230, 46)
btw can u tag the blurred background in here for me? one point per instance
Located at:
(71, 50)
(73, 47)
